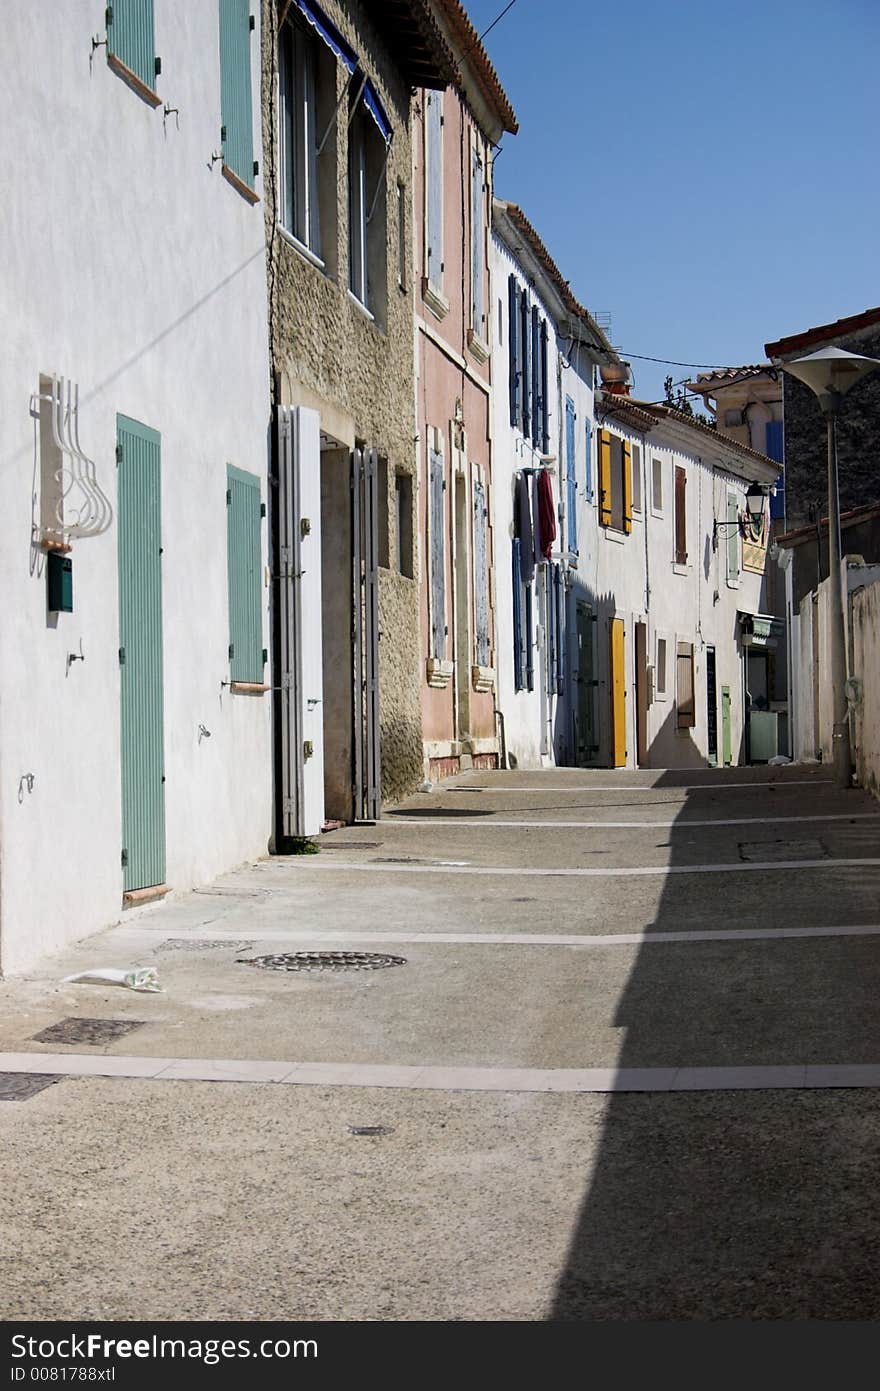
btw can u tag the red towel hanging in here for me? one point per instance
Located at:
(547, 512)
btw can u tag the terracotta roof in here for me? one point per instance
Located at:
(519, 220)
(850, 518)
(726, 376)
(839, 329)
(662, 412)
(416, 42)
(471, 50)
(626, 410)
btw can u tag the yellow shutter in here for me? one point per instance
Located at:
(627, 487)
(618, 695)
(604, 478)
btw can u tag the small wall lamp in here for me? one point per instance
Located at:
(755, 499)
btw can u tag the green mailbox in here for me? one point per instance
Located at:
(59, 573)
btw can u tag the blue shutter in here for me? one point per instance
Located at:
(130, 37)
(244, 558)
(570, 475)
(434, 134)
(438, 557)
(774, 446)
(519, 664)
(526, 356)
(537, 389)
(530, 660)
(545, 397)
(481, 576)
(588, 467)
(236, 113)
(513, 348)
(559, 605)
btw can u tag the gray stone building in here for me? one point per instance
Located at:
(858, 431)
(336, 97)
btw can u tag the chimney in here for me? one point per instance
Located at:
(615, 378)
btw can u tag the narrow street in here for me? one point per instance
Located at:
(629, 1069)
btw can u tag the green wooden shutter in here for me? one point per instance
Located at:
(236, 113)
(732, 538)
(244, 555)
(139, 526)
(130, 37)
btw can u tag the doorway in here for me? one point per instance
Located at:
(711, 709)
(585, 742)
(367, 782)
(726, 742)
(618, 694)
(461, 610)
(641, 636)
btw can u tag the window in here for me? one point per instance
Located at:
(685, 715)
(514, 359)
(570, 475)
(657, 486)
(297, 88)
(681, 553)
(660, 687)
(368, 139)
(527, 350)
(403, 509)
(525, 340)
(732, 534)
(478, 248)
(481, 576)
(615, 482)
(437, 550)
(523, 661)
(434, 190)
(131, 47)
(236, 114)
(243, 547)
(401, 235)
(637, 478)
(500, 323)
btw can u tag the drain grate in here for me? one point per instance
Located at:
(371, 1130)
(196, 944)
(324, 961)
(772, 850)
(94, 1031)
(21, 1086)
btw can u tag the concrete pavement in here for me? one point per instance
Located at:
(496, 1193)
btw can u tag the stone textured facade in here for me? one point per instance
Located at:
(858, 440)
(357, 371)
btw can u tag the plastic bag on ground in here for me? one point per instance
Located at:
(144, 978)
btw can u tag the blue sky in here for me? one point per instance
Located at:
(690, 166)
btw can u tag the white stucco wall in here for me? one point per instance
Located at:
(134, 268)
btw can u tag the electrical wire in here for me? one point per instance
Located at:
(495, 21)
(671, 362)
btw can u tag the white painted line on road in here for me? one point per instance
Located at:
(509, 939)
(530, 872)
(476, 819)
(434, 1078)
(630, 787)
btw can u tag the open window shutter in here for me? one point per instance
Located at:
(732, 530)
(588, 466)
(570, 475)
(438, 558)
(243, 536)
(236, 112)
(513, 348)
(681, 554)
(481, 576)
(130, 37)
(519, 654)
(526, 350)
(604, 478)
(774, 441)
(434, 133)
(537, 389)
(545, 399)
(627, 487)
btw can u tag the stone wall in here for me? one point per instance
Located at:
(865, 620)
(858, 442)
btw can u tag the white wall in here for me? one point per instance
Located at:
(133, 267)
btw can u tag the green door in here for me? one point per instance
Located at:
(140, 654)
(585, 742)
(725, 726)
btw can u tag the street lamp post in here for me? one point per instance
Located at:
(829, 373)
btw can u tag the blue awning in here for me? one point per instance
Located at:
(377, 111)
(328, 32)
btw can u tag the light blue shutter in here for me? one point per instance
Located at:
(481, 576)
(519, 655)
(529, 636)
(243, 548)
(236, 113)
(559, 605)
(570, 475)
(588, 466)
(434, 134)
(513, 357)
(545, 398)
(438, 558)
(477, 235)
(732, 537)
(130, 37)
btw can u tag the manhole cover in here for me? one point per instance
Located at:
(764, 851)
(21, 1086)
(324, 961)
(371, 1130)
(93, 1031)
(196, 944)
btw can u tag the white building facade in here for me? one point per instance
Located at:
(135, 741)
